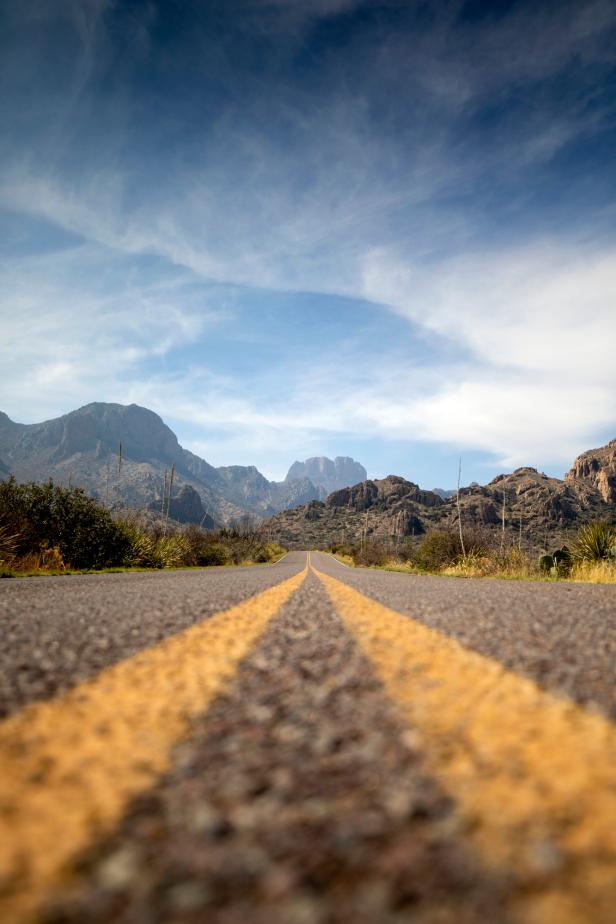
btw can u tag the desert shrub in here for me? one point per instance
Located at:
(212, 554)
(441, 548)
(48, 527)
(438, 549)
(269, 552)
(595, 542)
(47, 516)
(370, 554)
(342, 548)
(242, 542)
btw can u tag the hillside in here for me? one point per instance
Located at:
(393, 509)
(82, 448)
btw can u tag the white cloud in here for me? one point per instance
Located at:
(539, 326)
(76, 329)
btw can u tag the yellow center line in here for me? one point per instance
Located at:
(533, 774)
(69, 766)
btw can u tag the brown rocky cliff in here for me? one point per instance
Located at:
(383, 493)
(596, 468)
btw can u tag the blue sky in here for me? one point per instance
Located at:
(300, 227)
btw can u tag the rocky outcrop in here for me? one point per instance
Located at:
(382, 494)
(386, 509)
(596, 469)
(185, 507)
(328, 474)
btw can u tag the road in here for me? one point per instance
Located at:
(305, 743)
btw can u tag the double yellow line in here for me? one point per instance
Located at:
(68, 767)
(532, 774)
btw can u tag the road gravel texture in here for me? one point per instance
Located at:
(561, 635)
(59, 631)
(302, 795)
(296, 799)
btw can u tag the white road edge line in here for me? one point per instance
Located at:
(335, 559)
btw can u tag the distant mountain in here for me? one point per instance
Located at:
(450, 492)
(536, 507)
(117, 453)
(328, 474)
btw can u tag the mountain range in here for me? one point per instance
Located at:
(118, 453)
(537, 510)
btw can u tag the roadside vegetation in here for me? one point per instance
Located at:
(478, 553)
(48, 529)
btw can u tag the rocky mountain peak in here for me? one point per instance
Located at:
(328, 474)
(596, 468)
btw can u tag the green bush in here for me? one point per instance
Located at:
(437, 549)
(48, 516)
(595, 542)
(62, 526)
(212, 554)
(370, 554)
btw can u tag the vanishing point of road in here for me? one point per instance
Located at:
(306, 743)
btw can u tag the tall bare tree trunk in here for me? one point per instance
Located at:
(459, 509)
(171, 474)
(164, 498)
(503, 522)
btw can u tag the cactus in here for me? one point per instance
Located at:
(562, 561)
(558, 564)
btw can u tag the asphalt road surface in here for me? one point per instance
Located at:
(306, 743)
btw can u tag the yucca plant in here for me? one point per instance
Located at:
(8, 543)
(172, 551)
(595, 542)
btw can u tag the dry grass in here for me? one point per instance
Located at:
(46, 561)
(594, 572)
(513, 565)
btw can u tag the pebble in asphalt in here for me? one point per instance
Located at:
(298, 799)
